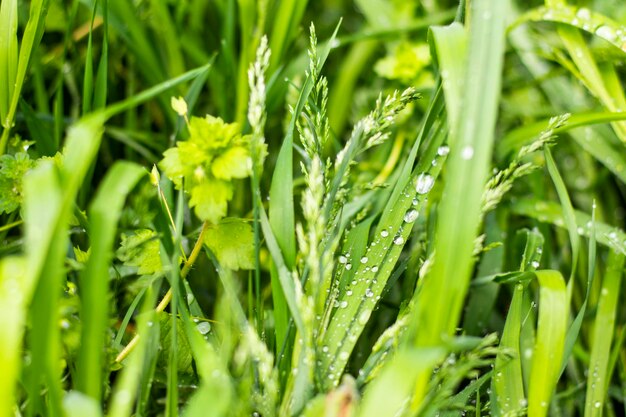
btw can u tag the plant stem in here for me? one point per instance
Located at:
(168, 296)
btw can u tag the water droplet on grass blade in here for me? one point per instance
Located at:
(424, 183)
(467, 152)
(411, 215)
(398, 240)
(364, 260)
(203, 327)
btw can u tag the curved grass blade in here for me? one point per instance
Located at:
(581, 18)
(549, 212)
(523, 135)
(103, 214)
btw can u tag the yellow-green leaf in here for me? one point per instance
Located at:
(232, 242)
(210, 199)
(234, 163)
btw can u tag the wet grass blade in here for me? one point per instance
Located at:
(550, 342)
(443, 290)
(508, 396)
(549, 212)
(598, 378)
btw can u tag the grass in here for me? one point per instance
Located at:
(312, 209)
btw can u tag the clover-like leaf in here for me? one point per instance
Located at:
(142, 250)
(232, 242)
(12, 170)
(210, 199)
(234, 163)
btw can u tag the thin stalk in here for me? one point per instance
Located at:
(195, 252)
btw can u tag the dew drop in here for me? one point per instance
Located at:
(597, 404)
(203, 327)
(369, 293)
(343, 304)
(348, 267)
(398, 240)
(443, 150)
(535, 264)
(411, 215)
(424, 183)
(584, 14)
(344, 355)
(325, 349)
(343, 259)
(375, 268)
(384, 233)
(607, 33)
(364, 260)
(467, 152)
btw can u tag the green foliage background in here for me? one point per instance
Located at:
(333, 208)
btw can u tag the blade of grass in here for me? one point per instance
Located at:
(445, 286)
(30, 41)
(548, 351)
(104, 214)
(8, 55)
(523, 135)
(598, 378)
(549, 212)
(13, 291)
(281, 208)
(508, 384)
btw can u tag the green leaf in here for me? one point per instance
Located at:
(173, 166)
(234, 163)
(141, 249)
(12, 169)
(210, 199)
(232, 242)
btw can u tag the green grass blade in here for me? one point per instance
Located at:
(104, 214)
(568, 212)
(548, 351)
(450, 43)
(285, 23)
(598, 378)
(30, 41)
(396, 380)
(154, 91)
(446, 284)
(523, 135)
(100, 87)
(13, 317)
(8, 55)
(88, 73)
(281, 206)
(549, 212)
(508, 384)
